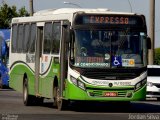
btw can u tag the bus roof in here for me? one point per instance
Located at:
(64, 14)
(74, 10)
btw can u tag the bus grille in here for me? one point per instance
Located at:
(109, 76)
(111, 73)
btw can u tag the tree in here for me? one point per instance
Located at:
(157, 56)
(23, 12)
(8, 12)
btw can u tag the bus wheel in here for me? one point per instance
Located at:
(27, 99)
(55, 96)
(60, 103)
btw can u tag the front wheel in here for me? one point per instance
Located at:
(59, 102)
(29, 100)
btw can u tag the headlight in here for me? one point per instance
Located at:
(140, 84)
(78, 83)
(74, 80)
(81, 85)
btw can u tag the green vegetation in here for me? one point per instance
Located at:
(8, 12)
(157, 56)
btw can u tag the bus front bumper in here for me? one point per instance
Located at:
(96, 94)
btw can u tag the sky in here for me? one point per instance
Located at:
(137, 6)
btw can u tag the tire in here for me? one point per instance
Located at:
(27, 99)
(30, 100)
(59, 103)
(55, 96)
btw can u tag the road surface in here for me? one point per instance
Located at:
(12, 108)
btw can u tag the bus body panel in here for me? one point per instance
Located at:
(17, 75)
(45, 81)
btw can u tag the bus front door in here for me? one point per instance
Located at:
(38, 55)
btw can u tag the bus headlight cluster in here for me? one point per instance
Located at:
(140, 84)
(78, 83)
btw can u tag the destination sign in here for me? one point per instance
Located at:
(109, 20)
(106, 20)
(90, 59)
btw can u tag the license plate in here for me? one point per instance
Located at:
(110, 94)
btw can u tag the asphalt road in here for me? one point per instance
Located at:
(12, 108)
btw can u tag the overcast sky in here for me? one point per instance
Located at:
(138, 6)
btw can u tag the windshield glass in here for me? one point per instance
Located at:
(103, 48)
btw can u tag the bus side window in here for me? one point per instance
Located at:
(47, 38)
(20, 38)
(26, 38)
(14, 38)
(33, 37)
(56, 37)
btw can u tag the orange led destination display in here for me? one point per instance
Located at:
(90, 59)
(109, 20)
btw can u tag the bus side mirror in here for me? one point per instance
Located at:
(148, 42)
(66, 27)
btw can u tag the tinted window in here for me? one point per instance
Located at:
(14, 38)
(26, 37)
(33, 37)
(20, 38)
(47, 37)
(56, 37)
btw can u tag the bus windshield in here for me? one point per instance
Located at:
(109, 49)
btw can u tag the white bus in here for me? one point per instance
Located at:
(79, 54)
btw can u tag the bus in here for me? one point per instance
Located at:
(72, 54)
(4, 56)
